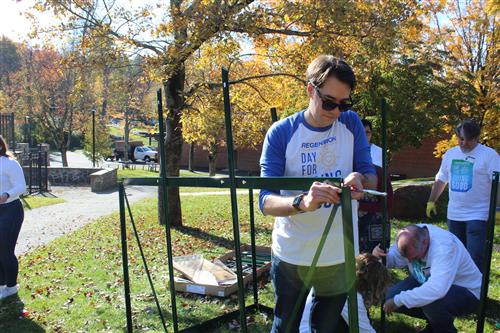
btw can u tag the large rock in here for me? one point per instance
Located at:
(410, 202)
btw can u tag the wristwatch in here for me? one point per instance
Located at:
(296, 202)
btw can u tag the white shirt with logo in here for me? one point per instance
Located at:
(294, 148)
(469, 177)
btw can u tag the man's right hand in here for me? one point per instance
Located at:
(378, 252)
(431, 208)
(320, 193)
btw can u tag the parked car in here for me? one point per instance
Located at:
(136, 151)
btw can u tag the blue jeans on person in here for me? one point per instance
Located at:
(291, 289)
(473, 235)
(440, 314)
(11, 219)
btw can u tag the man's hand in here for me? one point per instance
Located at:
(390, 306)
(431, 208)
(355, 181)
(378, 252)
(318, 194)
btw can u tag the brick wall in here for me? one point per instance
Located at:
(410, 162)
(416, 162)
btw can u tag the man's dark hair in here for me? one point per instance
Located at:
(470, 128)
(367, 123)
(325, 66)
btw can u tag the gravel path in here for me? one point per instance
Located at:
(44, 224)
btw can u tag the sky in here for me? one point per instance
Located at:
(13, 23)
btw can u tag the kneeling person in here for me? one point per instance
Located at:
(444, 282)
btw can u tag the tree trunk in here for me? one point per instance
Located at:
(64, 156)
(174, 101)
(212, 160)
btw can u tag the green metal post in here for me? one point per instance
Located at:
(234, 199)
(350, 261)
(385, 223)
(144, 261)
(490, 231)
(254, 251)
(163, 185)
(274, 115)
(126, 279)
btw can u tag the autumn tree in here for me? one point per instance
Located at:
(466, 32)
(10, 61)
(177, 30)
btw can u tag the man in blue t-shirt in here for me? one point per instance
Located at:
(325, 140)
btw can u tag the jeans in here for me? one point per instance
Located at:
(11, 219)
(473, 236)
(291, 289)
(440, 314)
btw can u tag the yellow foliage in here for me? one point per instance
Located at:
(3, 100)
(444, 145)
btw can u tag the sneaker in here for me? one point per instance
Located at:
(9, 291)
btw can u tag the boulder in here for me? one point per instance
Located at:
(410, 202)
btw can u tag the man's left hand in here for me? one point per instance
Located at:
(390, 306)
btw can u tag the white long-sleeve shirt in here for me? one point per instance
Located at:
(11, 178)
(363, 320)
(447, 263)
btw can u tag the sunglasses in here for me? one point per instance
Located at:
(329, 105)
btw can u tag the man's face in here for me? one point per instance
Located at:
(332, 90)
(409, 250)
(466, 145)
(368, 133)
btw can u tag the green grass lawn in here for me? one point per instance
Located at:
(118, 131)
(36, 201)
(75, 283)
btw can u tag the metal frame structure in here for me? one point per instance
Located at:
(7, 129)
(233, 183)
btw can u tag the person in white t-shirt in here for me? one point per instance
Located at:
(372, 281)
(325, 140)
(375, 151)
(468, 170)
(12, 185)
(444, 282)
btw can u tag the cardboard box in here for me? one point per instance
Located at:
(226, 290)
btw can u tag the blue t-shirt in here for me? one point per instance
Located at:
(294, 148)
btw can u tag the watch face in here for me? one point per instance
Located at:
(296, 201)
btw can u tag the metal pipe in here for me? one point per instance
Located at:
(234, 199)
(164, 185)
(385, 222)
(490, 231)
(350, 260)
(126, 279)
(93, 138)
